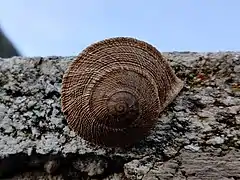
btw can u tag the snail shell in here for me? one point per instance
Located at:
(113, 93)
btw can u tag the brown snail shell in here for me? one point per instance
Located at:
(113, 93)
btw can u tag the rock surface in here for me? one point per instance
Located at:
(197, 136)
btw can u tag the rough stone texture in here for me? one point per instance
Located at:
(197, 136)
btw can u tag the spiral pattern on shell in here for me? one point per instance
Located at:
(113, 93)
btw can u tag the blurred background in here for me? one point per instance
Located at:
(65, 28)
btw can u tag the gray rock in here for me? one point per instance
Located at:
(137, 169)
(234, 109)
(216, 140)
(237, 69)
(92, 166)
(203, 118)
(192, 148)
(51, 166)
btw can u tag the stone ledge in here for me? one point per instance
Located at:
(197, 136)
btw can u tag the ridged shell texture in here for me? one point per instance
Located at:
(114, 91)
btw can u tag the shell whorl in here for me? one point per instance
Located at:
(113, 92)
